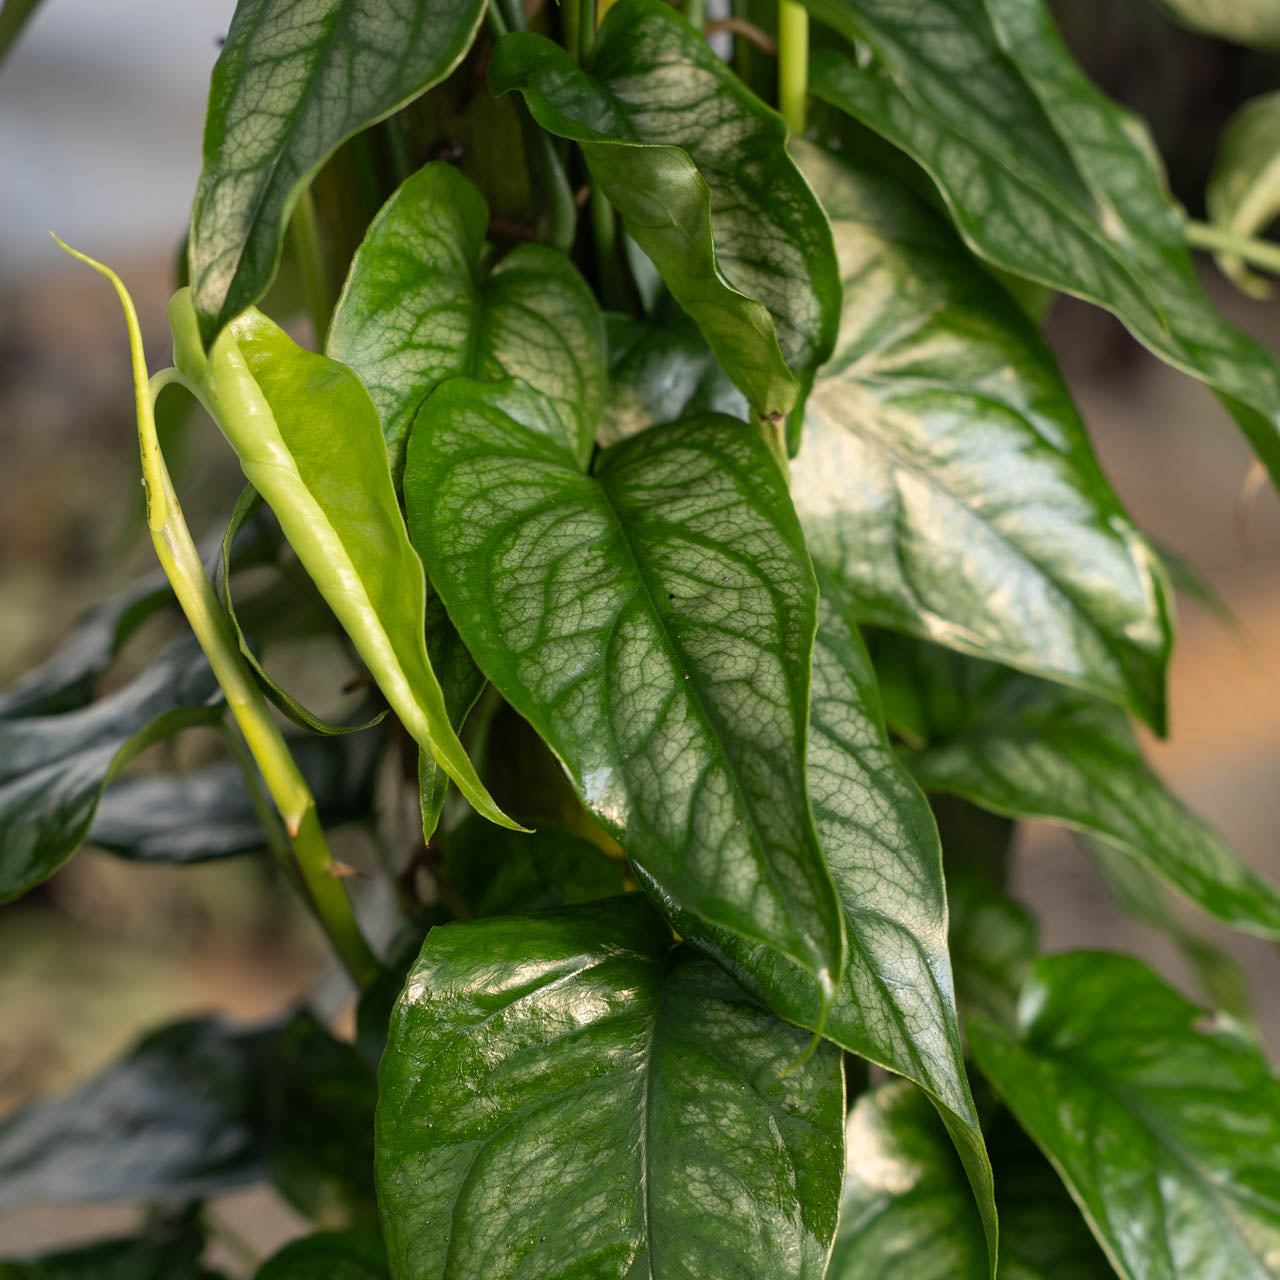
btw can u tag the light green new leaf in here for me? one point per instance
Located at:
(1165, 1132)
(632, 1111)
(653, 622)
(1029, 749)
(423, 303)
(1249, 22)
(945, 479)
(698, 168)
(54, 768)
(1044, 176)
(328, 1255)
(294, 80)
(1243, 194)
(309, 442)
(896, 1005)
(907, 1214)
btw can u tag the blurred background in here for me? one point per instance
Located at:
(101, 106)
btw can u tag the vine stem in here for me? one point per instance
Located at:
(793, 64)
(178, 556)
(1261, 253)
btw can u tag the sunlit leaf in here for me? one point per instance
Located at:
(697, 167)
(1249, 22)
(945, 479)
(656, 634)
(295, 78)
(423, 302)
(1164, 1129)
(635, 1113)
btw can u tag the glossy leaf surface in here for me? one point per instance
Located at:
(1243, 194)
(309, 442)
(634, 1113)
(207, 812)
(1044, 176)
(497, 872)
(54, 768)
(656, 634)
(1029, 749)
(907, 1212)
(1249, 22)
(1166, 1132)
(296, 78)
(328, 1255)
(173, 1121)
(945, 479)
(896, 1005)
(697, 167)
(423, 303)
(163, 1252)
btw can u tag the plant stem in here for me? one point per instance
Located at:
(1261, 253)
(304, 231)
(695, 12)
(586, 29)
(793, 64)
(176, 551)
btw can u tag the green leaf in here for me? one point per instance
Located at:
(208, 813)
(295, 79)
(896, 1005)
(993, 941)
(497, 872)
(945, 478)
(1243, 194)
(907, 1213)
(1044, 176)
(309, 442)
(1029, 749)
(1140, 895)
(697, 167)
(1249, 22)
(280, 697)
(659, 371)
(423, 303)
(67, 678)
(328, 1255)
(635, 1112)
(54, 768)
(1166, 1134)
(164, 1251)
(657, 637)
(174, 1120)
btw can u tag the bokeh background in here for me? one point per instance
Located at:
(101, 107)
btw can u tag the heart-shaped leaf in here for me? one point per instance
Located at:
(208, 812)
(1166, 1132)
(309, 442)
(634, 1113)
(54, 769)
(698, 168)
(1044, 176)
(1030, 749)
(907, 1212)
(1243, 194)
(945, 479)
(328, 1255)
(292, 82)
(657, 636)
(423, 303)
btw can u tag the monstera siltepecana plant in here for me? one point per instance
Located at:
(691, 483)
